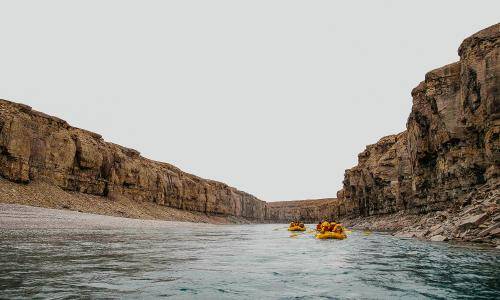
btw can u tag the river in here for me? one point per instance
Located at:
(60, 254)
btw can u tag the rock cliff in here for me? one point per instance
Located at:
(36, 146)
(449, 156)
(439, 177)
(309, 211)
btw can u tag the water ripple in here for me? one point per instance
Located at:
(231, 262)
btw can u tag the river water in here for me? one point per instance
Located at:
(196, 261)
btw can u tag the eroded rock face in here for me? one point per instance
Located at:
(451, 146)
(446, 160)
(309, 211)
(379, 184)
(34, 146)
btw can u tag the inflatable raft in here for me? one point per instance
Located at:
(296, 228)
(331, 235)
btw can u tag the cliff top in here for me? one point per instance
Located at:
(13, 108)
(480, 41)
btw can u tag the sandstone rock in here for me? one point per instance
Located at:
(448, 156)
(472, 221)
(495, 232)
(435, 227)
(405, 234)
(309, 211)
(34, 146)
(468, 210)
(437, 231)
(489, 230)
(422, 233)
(439, 238)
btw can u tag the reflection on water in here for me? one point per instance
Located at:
(251, 261)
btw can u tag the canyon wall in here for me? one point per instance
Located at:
(309, 211)
(38, 147)
(451, 146)
(35, 146)
(449, 155)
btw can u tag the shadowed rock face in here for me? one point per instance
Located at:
(451, 145)
(37, 146)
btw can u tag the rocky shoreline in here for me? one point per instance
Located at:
(475, 222)
(22, 217)
(45, 195)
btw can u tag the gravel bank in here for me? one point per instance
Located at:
(42, 194)
(15, 216)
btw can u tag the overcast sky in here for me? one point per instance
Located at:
(276, 98)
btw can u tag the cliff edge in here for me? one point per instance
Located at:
(38, 147)
(443, 171)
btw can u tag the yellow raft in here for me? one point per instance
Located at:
(331, 235)
(296, 228)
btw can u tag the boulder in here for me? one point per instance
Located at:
(472, 221)
(495, 232)
(439, 238)
(405, 234)
(489, 230)
(437, 231)
(420, 234)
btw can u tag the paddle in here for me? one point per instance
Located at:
(279, 228)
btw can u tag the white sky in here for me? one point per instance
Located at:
(276, 98)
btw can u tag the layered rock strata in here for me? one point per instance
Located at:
(449, 152)
(35, 146)
(309, 211)
(438, 179)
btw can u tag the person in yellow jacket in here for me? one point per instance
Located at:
(325, 226)
(338, 228)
